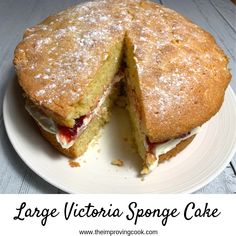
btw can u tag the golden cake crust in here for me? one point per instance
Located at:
(182, 72)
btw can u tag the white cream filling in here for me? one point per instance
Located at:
(43, 120)
(50, 126)
(163, 148)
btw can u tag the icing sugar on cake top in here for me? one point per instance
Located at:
(182, 72)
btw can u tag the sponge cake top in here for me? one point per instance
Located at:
(182, 72)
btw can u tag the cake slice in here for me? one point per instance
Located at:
(177, 76)
(69, 69)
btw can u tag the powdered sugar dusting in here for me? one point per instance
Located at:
(39, 43)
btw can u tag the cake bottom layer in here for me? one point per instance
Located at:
(179, 147)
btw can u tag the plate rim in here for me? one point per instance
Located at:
(66, 189)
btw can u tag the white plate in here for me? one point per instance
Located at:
(197, 165)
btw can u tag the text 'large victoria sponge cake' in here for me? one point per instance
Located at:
(71, 64)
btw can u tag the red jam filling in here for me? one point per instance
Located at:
(70, 133)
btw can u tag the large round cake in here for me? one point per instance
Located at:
(70, 66)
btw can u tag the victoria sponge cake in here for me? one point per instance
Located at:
(70, 66)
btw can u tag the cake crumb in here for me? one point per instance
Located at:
(117, 162)
(74, 164)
